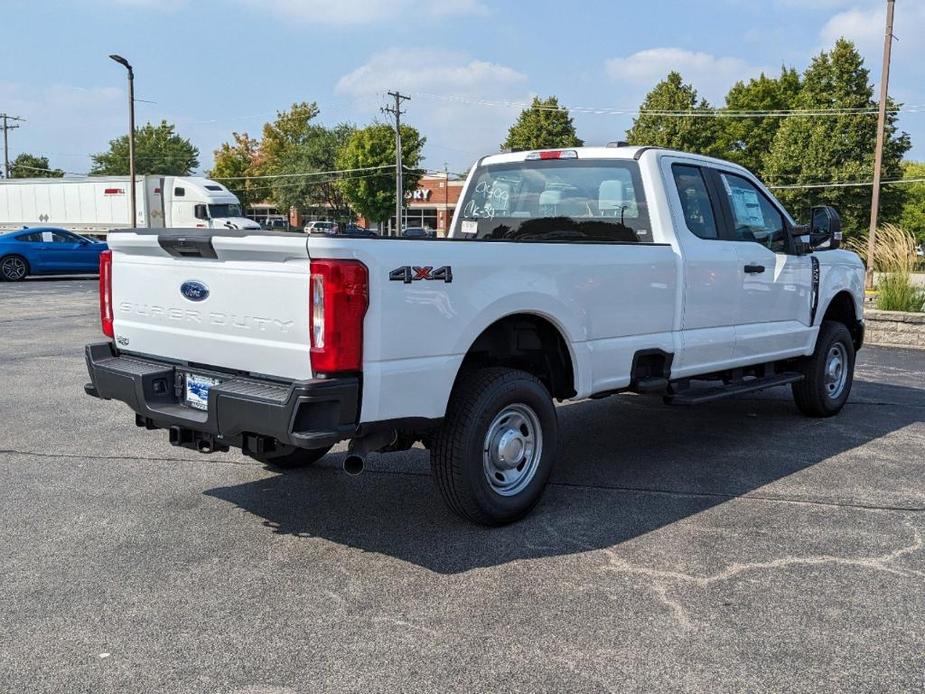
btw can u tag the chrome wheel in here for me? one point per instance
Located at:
(836, 370)
(512, 450)
(13, 268)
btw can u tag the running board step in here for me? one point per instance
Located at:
(697, 396)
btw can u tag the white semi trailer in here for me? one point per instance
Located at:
(96, 204)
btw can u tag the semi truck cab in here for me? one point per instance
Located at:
(200, 203)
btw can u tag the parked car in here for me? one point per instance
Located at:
(419, 233)
(47, 251)
(567, 274)
(356, 230)
(274, 224)
(320, 227)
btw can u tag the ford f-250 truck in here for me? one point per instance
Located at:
(567, 274)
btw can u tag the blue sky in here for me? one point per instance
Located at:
(214, 66)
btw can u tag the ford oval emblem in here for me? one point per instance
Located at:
(194, 291)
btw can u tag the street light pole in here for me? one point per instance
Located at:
(131, 133)
(878, 154)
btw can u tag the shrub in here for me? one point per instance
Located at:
(895, 292)
(895, 260)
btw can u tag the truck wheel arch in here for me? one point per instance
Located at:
(841, 309)
(531, 343)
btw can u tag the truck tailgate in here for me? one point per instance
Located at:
(232, 300)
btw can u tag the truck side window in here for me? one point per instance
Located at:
(695, 201)
(754, 217)
(199, 212)
(179, 192)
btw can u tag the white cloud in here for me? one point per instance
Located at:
(418, 69)
(458, 131)
(711, 75)
(365, 11)
(865, 27)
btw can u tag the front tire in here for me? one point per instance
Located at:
(290, 457)
(492, 456)
(13, 268)
(828, 373)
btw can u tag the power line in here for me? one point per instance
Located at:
(331, 179)
(48, 168)
(676, 113)
(857, 184)
(299, 175)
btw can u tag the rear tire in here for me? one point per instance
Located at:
(828, 373)
(289, 457)
(493, 454)
(13, 268)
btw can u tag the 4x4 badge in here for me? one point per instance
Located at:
(413, 273)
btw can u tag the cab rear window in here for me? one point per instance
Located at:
(557, 200)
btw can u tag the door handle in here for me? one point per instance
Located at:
(754, 269)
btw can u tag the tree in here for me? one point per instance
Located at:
(234, 160)
(290, 129)
(31, 166)
(373, 194)
(693, 133)
(544, 124)
(747, 141)
(316, 153)
(158, 150)
(820, 149)
(912, 218)
(295, 152)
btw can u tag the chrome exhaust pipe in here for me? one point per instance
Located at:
(354, 463)
(359, 448)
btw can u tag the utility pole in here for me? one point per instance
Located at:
(6, 144)
(446, 199)
(878, 155)
(397, 112)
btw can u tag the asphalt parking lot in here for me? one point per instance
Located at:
(733, 547)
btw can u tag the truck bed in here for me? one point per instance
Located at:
(419, 324)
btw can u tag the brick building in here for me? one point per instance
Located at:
(431, 204)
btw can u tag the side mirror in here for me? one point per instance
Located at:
(824, 228)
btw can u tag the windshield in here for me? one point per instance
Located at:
(226, 210)
(556, 200)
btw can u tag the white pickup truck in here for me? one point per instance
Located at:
(567, 274)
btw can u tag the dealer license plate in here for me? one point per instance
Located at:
(197, 391)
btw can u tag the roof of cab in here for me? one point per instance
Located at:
(610, 152)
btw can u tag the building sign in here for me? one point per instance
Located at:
(419, 195)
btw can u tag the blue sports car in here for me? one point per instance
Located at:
(47, 251)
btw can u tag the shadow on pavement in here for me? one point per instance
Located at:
(667, 463)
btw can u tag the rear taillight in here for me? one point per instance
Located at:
(106, 293)
(339, 295)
